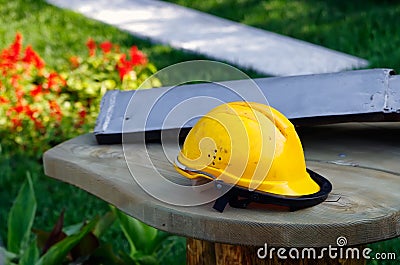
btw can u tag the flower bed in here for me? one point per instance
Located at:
(40, 107)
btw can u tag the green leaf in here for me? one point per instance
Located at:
(172, 251)
(104, 223)
(152, 67)
(21, 217)
(145, 259)
(59, 251)
(30, 256)
(139, 235)
(72, 229)
(7, 255)
(104, 254)
(126, 259)
(159, 240)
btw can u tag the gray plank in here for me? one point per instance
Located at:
(325, 98)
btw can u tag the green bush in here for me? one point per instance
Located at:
(32, 108)
(104, 68)
(40, 107)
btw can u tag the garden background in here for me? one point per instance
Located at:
(72, 60)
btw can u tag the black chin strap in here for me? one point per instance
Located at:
(239, 197)
(221, 202)
(232, 197)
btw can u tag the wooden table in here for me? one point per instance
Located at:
(361, 160)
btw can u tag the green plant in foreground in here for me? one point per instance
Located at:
(149, 245)
(22, 248)
(20, 221)
(80, 243)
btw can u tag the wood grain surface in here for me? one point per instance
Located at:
(361, 160)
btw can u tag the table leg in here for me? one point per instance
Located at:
(201, 252)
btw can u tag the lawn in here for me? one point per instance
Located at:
(363, 28)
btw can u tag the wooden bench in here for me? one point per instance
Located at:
(361, 160)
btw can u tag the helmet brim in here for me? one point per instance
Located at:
(240, 197)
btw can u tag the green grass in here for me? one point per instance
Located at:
(368, 29)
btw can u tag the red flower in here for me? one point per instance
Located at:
(37, 90)
(54, 106)
(106, 46)
(4, 100)
(38, 124)
(124, 66)
(74, 60)
(19, 92)
(6, 61)
(15, 48)
(55, 110)
(9, 57)
(31, 57)
(54, 81)
(29, 112)
(91, 44)
(14, 81)
(137, 57)
(16, 122)
(18, 108)
(82, 114)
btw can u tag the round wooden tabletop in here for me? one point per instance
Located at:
(361, 160)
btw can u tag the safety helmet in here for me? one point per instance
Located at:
(255, 149)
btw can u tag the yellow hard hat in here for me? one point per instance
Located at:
(253, 147)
